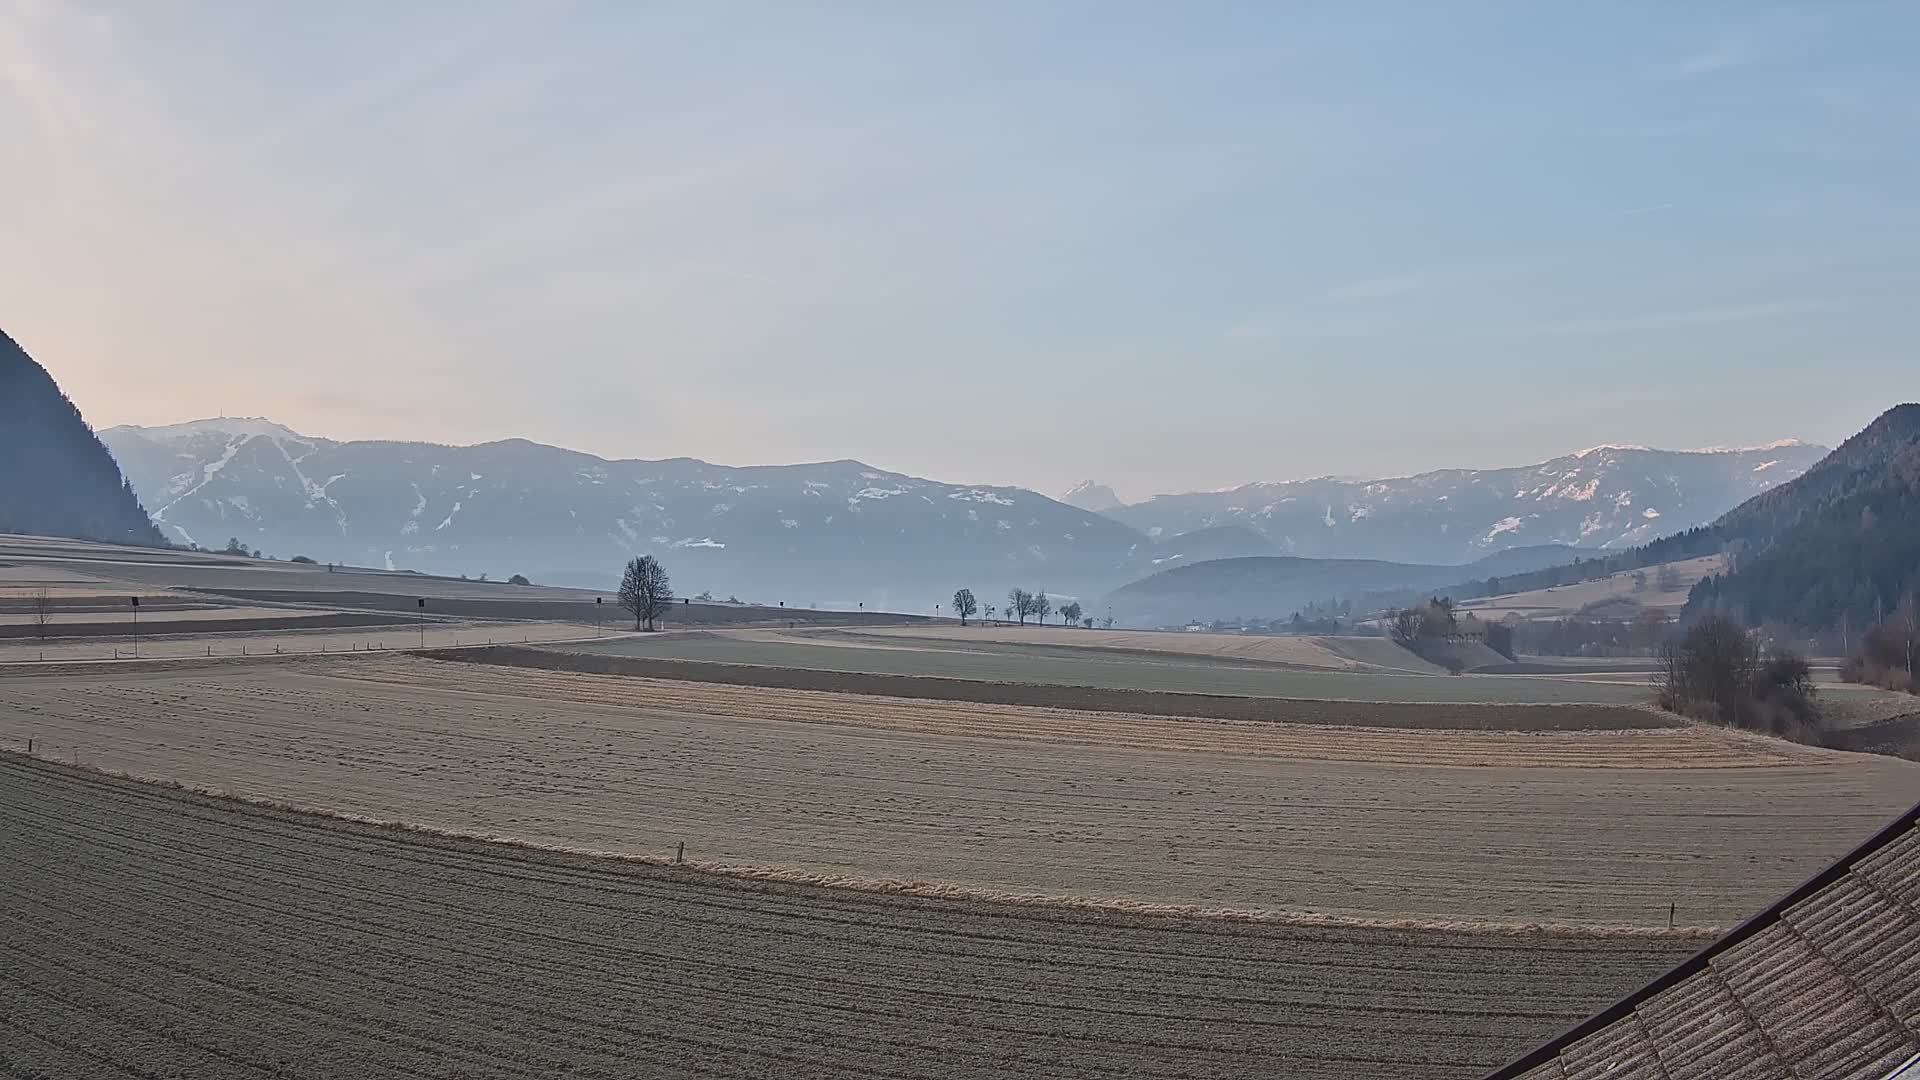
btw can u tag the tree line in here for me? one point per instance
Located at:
(1021, 605)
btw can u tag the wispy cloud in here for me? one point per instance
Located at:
(1654, 209)
(1725, 52)
(1707, 316)
(1392, 285)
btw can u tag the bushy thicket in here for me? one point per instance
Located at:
(1716, 671)
(1888, 652)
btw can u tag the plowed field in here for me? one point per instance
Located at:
(1575, 827)
(154, 933)
(1044, 661)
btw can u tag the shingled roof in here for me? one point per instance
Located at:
(1825, 983)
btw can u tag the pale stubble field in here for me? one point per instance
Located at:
(1582, 827)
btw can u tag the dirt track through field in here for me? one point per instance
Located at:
(149, 932)
(1002, 801)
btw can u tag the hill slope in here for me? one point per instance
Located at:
(1608, 497)
(1840, 542)
(56, 479)
(833, 532)
(1269, 587)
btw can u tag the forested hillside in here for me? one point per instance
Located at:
(1838, 546)
(56, 479)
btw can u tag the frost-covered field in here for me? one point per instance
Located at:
(1589, 827)
(158, 933)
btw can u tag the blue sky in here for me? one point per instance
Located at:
(1165, 246)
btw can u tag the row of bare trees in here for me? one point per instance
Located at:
(1021, 605)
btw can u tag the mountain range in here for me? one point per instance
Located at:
(56, 479)
(1607, 497)
(831, 533)
(841, 532)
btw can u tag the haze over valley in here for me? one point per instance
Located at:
(847, 533)
(959, 542)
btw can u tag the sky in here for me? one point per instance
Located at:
(1163, 246)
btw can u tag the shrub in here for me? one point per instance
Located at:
(1716, 672)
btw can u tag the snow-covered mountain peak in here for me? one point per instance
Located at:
(1089, 495)
(223, 425)
(1610, 496)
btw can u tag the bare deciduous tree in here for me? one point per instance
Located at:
(1070, 613)
(1406, 625)
(41, 606)
(1019, 604)
(964, 605)
(645, 591)
(1042, 607)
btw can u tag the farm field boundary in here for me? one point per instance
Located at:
(1397, 714)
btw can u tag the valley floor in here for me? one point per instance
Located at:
(1581, 827)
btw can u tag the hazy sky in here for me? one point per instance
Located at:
(1165, 245)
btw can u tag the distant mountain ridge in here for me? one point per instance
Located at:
(56, 478)
(833, 533)
(1605, 497)
(836, 532)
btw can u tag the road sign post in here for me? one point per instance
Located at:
(136, 626)
(422, 601)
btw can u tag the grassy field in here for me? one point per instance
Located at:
(158, 933)
(1561, 601)
(1458, 715)
(1327, 653)
(1581, 827)
(1071, 665)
